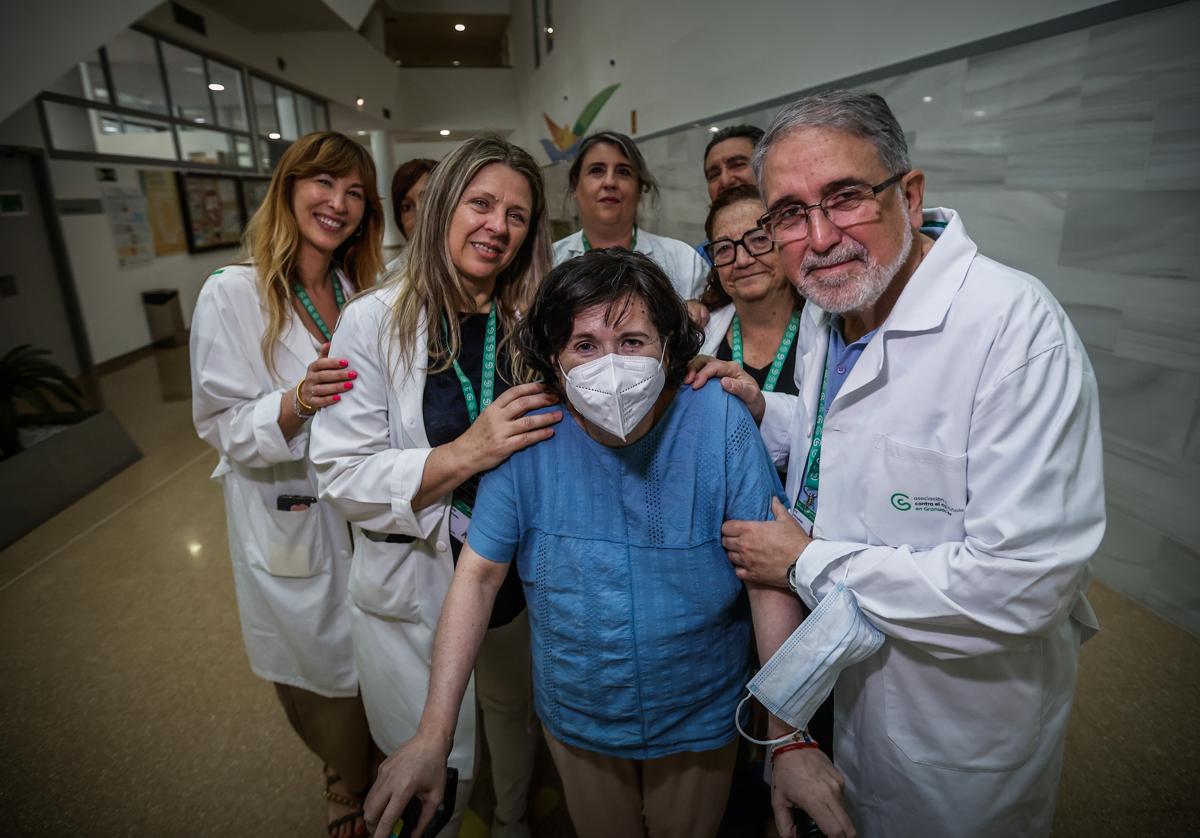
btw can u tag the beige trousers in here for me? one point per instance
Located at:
(503, 689)
(335, 729)
(678, 796)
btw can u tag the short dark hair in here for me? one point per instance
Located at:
(751, 132)
(627, 147)
(406, 177)
(609, 276)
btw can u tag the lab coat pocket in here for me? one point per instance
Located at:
(281, 543)
(386, 579)
(971, 714)
(915, 496)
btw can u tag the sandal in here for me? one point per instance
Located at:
(346, 800)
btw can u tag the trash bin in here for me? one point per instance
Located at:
(170, 341)
(165, 318)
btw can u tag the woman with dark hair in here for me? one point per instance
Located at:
(608, 179)
(260, 371)
(640, 627)
(755, 310)
(408, 186)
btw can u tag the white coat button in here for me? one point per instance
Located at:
(441, 545)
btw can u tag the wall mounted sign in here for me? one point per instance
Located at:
(126, 210)
(213, 213)
(564, 141)
(162, 207)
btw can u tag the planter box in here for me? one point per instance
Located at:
(45, 479)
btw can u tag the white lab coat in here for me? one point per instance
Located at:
(719, 322)
(290, 569)
(370, 455)
(961, 497)
(681, 262)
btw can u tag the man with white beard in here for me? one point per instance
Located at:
(945, 473)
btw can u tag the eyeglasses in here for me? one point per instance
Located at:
(722, 252)
(849, 205)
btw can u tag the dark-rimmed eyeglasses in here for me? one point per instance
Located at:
(722, 252)
(846, 206)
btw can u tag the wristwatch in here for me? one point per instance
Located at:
(791, 575)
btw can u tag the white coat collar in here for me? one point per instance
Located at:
(574, 243)
(922, 306)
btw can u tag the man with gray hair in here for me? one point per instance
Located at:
(946, 489)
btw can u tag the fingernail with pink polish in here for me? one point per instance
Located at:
(349, 386)
(343, 363)
(337, 398)
(352, 375)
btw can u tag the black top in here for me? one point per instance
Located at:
(446, 419)
(787, 375)
(785, 384)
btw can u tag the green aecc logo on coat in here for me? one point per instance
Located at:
(901, 502)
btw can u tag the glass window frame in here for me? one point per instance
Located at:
(250, 134)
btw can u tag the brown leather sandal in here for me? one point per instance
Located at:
(355, 803)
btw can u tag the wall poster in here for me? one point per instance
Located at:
(125, 207)
(213, 214)
(162, 207)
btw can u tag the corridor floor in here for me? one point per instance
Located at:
(128, 707)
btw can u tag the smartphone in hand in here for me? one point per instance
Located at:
(407, 825)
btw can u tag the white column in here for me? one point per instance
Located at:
(381, 151)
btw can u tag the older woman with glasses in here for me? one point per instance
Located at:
(756, 311)
(608, 179)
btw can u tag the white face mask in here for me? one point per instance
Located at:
(801, 675)
(617, 391)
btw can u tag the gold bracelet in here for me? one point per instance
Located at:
(312, 411)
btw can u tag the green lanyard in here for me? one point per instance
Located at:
(487, 378)
(785, 346)
(806, 498)
(338, 298)
(587, 245)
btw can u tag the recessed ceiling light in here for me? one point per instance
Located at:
(110, 129)
(360, 101)
(549, 30)
(274, 135)
(460, 27)
(926, 98)
(445, 132)
(399, 62)
(100, 91)
(456, 63)
(215, 87)
(713, 128)
(199, 119)
(362, 133)
(981, 113)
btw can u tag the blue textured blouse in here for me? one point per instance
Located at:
(641, 631)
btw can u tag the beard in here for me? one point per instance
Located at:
(856, 288)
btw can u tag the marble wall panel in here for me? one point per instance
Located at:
(1021, 228)
(1137, 233)
(1127, 553)
(1174, 161)
(1175, 590)
(1033, 81)
(1159, 324)
(1148, 58)
(1101, 147)
(926, 99)
(1146, 404)
(1165, 494)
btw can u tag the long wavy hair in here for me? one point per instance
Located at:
(272, 238)
(431, 287)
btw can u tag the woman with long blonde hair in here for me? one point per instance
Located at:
(260, 370)
(438, 403)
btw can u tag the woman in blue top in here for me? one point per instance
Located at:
(640, 628)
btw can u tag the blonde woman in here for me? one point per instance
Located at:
(260, 371)
(438, 404)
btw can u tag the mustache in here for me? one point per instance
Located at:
(847, 250)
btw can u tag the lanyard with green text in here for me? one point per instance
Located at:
(487, 386)
(806, 498)
(785, 346)
(338, 297)
(587, 245)
(487, 378)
